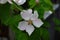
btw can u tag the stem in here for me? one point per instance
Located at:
(17, 6)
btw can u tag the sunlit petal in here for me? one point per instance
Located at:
(30, 29)
(10, 1)
(3, 1)
(29, 11)
(34, 16)
(55, 6)
(37, 23)
(25, 15)
(22, 25)
(19, 2)
(47, 14)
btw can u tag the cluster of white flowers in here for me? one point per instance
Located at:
(30, 19)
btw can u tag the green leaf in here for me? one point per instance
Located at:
(44, 34)
(4, 12)
(46, 4)
(46, 24)
(5, 15)
(35, 35)
(31, 3)
(19, 35)
(56, 21)
(57, 28)
(13, 20)
(40, 11)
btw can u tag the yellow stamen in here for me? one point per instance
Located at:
(29, 22)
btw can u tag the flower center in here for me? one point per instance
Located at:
(29, 22)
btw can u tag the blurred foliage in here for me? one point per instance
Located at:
(4, 12)
(56, 21)
(57, 28)
(6, 17)
(46, 24)
(44, 34)
(35, 35)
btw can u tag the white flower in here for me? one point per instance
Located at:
(10, 1)
(30, 19)
(55, 6)
(19, 2)
(4, 1)
(47, 14)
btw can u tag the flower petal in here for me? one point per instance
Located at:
(30, 29)
(55, 6)
(19, 2)
(34, 16)
(10, 1)
(36, 13)
(38, 23)
(3, 1)
(26, 14)
(29, 11)
(22, 25)
(46, 14)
